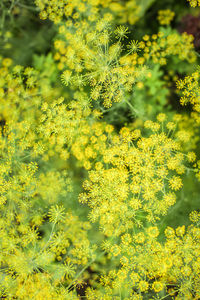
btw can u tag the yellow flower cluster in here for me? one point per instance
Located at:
(165, 16)
(32, 196)
(91, 58)
(57, 10)
(127, 12)
(190, 126)
(159, 46)
(139, 178)
(67, 130)
(24, 249)
(148, 265)
(39, 286)
(189, 87)
(194, 3)
(89, 54)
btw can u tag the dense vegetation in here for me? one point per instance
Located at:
(99, 149)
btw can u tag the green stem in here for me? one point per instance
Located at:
(132, 108)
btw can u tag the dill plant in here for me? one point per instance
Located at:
(85, 201)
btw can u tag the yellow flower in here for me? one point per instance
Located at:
(165, 16)
(157, 286)
(143, 286)
(169, 232)
(175, 183)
